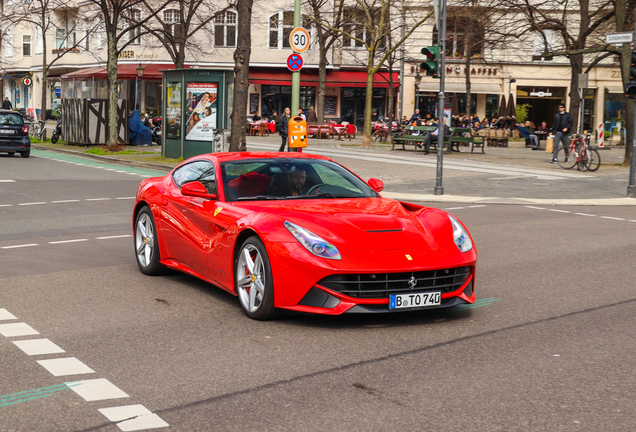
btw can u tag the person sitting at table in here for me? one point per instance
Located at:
(477, 126)
(528, 125)
(256, 117)
(405, 121)
(529, 136)
(301, 113)
(543, 128)
(430, 135)
(475, 119)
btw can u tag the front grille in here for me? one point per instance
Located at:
(381, 285)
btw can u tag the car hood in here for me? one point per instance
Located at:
(365, 223)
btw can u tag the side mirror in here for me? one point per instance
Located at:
(196, 189)
(376, 184)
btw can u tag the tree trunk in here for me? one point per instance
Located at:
(468, 86)
(390, 111)
(112, 135)
(322, 83)
(180, 60)
(576, 63)
(625, 62)
(366, 137)
(241, 75)
(45, 74)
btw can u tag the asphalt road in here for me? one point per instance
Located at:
(548, 346)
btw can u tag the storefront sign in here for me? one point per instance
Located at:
(540, 94)
(201, 106)
(27, 81)
(131, 55)
(473, 71)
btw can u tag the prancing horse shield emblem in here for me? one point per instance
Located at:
(412, 282)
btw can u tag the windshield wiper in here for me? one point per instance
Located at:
(259, 197)
(334, 195)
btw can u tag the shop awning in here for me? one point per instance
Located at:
(124, 71)
(309, 78)
(453, 87)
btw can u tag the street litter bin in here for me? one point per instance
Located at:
(297, 132)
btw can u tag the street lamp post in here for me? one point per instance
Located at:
(140, 73)
(510, 81)
(418, 81)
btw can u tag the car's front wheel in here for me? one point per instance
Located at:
(146, 243)
(253, 280)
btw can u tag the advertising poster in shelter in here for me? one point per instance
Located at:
(201, 108)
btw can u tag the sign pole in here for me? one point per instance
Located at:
(295, 103)
(439, 189)
(631, 188)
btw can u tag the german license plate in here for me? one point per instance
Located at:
(415, 300)
(7, 131)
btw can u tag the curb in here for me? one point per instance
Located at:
(514, 201)
(106, 159)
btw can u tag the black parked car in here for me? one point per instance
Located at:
(14, 134)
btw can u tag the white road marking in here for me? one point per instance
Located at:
(112, 237)
(125, 198)
(7, 181)
(454, 208)
(33, 203)
(19, 246)
(146, 176)
(6, 205)
(584, 214)
(96, 389)
(613, 218)
(131, 173)
(632, 220)
(6, 315)
(97, 199)
(476, 206)
(65, 366)
(68, 241)
(17, 329)
(135, 417)
(63, 201)
(560, 211)
(536, 208)
(33, 347)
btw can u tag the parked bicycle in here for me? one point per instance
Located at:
(580, 153)
(38, 130)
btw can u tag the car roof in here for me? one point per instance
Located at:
(8, 112)
(235, 156)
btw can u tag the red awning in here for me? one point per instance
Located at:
(309, 78)
(124, 71)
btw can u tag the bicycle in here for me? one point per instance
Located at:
(38, 130)
(583, 155)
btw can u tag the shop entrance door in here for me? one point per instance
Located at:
(541, 109)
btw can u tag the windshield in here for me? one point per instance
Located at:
(11, 119)
(279, 178)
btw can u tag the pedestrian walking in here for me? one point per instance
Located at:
(6, 105)
(561, 128)
(283, 126)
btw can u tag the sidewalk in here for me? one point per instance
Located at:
(508, 178)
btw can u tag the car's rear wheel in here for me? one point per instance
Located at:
(146, 243)
(26, 154)
(253, 280)
(11, 153)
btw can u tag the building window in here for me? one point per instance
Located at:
(7, 43)
(171, 22)
(86, 35)
(134, 35)
(543, 42)
(38, 40)
(464, 37)
(26, 45)
(280, 26)
(225, 29)
(60, 38)
(356, 28)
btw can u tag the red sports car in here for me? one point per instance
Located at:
(292, 231)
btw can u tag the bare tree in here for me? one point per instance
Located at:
(123, 25)
(327, 17)
(241, 74)
(177, 27)
(368, 25)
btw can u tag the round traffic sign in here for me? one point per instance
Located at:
(27, 81)
(294, 62)
(299, 39)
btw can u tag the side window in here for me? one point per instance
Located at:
(201, 171)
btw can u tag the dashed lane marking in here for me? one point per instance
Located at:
(454, 208)
(536, 208)
(19, 246)
(69, 241)
(17, 329)
(585, 214)
(559, 211)
(65, 366)
(125, 198)
(97, 389)
(32, 203)
(476, 206)
(97, 199)
(6, 315)
(133, 417)
(113, 237)
(68, 201)
(7, 181)
(613, 218)
(580, 214)
(6, 205)
(33, 347)
(64, 201)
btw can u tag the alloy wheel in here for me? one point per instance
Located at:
(250, 278)
(144, 240)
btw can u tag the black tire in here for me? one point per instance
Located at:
(265, 309)
(593, 160)
(25, 154)
(564, 160)
(376, 137)
(55, 138)
(153, 267)
(11, 153)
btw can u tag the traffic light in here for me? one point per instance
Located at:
(630, 88)
(431, 65)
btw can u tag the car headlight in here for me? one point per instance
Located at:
(313, 243)
(460, 236)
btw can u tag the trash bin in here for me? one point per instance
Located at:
(297, 133)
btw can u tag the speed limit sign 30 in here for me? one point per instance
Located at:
(299, 39)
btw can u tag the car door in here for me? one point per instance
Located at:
(188, 230)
